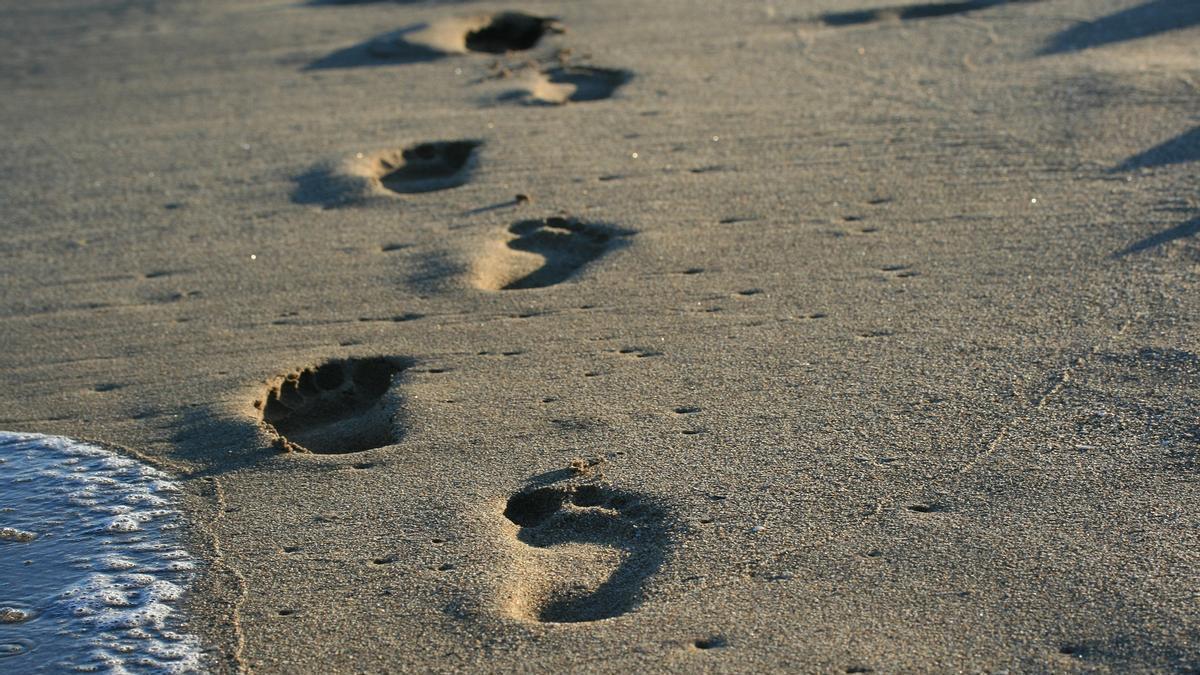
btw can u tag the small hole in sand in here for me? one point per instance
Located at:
(286, 612)
(714, 642)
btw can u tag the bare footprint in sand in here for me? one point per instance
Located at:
(420, 43)
(427, 167)
(483, 33)
(544, 252)
(510, 32)
(424, 167)
(570, 84)
(337, 407)
(586, 552)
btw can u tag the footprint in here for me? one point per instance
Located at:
(910, 12)
(424, 167)
(427, 167)
(570, 84)
(338, 407)
(426, 42)
(587, 552)
(510, 32)
(482, 33)
(547, 252)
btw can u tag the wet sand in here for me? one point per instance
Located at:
(734, 336)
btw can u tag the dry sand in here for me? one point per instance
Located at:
(819, 340)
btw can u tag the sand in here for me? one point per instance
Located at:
(726, 336)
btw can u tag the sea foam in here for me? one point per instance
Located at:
(92, 569)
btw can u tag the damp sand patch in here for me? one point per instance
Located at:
(92, 568)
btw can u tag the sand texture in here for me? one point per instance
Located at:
(827, 336)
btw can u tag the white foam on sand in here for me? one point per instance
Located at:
(91, 565)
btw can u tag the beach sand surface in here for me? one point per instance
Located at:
(721, 336)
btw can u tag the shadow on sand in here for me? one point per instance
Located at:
(388, 49)
(1183, 148)
(218, 443)
(1151, 18)
(1187, 229)
(911, 12)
